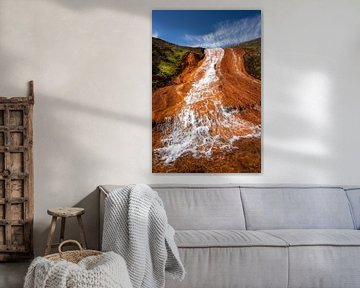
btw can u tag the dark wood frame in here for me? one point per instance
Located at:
(16, 177)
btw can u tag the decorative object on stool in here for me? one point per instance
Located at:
(64, 213)
(16, 177)
(81, 269)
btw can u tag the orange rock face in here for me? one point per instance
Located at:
(209, 119)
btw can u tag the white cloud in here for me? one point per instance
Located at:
(227, 33)
(155, 34)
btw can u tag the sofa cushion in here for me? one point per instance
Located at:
(315, 237)
(322, 258)
(296, 208)
(324, 266)
(226, 238)
(191, 208)
(223, 267)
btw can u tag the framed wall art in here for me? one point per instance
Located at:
(206, 91)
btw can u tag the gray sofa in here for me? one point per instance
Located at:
(255, 236)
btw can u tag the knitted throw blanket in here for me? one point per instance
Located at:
(136, 227)
(103, 271)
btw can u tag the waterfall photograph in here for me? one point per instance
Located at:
(206, 91)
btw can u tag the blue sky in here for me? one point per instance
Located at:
(206, 28)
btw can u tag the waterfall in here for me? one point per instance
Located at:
(203, 123)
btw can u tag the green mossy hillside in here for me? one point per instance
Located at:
(252, 57)
(167, 61)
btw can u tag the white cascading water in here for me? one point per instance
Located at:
(203, 122)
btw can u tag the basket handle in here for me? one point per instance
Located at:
(69, 241)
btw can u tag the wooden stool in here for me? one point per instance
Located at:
(64, 213)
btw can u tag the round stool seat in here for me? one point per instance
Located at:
(66, 211)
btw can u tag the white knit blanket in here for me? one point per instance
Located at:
(103, 271)
(136, 227)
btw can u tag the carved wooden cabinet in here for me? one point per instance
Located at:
(16, 177)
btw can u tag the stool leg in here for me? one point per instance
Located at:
(62, 231)
(82, 232)
(51, 235)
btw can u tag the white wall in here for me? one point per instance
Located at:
(91, 62)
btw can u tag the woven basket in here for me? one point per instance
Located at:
(72, 256)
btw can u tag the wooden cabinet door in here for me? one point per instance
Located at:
(16, 178)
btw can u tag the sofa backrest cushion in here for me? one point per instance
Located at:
(203, 208)
(354, 198)
(296, 208)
